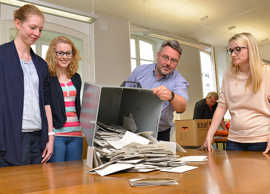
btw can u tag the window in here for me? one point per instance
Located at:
(141, 52)
(133, 54)
(44, 48)
(41, 46)
(208, 73)
(34, 48)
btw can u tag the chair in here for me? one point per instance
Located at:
(220, 137)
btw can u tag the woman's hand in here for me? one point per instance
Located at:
(48, 151)
(207, 145)
(268, 146)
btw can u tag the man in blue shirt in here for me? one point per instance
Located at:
(166, 82)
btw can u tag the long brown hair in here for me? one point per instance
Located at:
(51, 56)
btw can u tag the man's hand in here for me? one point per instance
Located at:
(178, 103)
(48, 151)
(163, 93)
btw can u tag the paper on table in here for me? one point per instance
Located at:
(113, 168)
(127, 139)
(193, 158)
(179, 169)
(141, 169)
(152, 181)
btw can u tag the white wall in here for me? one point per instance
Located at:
(265, 52)
(222, 64)
(190, 68)
(112, 52)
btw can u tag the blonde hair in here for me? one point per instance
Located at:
(51, 56)
(255, 63)
(23, 12)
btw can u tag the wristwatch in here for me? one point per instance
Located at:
(172, 93)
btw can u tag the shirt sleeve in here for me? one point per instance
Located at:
(196, 114)
(181, 87)
(2, 139)
(46, 88)
(222, 98)
(133, 75)
(132, 78)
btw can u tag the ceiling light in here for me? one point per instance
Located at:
(204, 18)
(231, 27)
(53, 10)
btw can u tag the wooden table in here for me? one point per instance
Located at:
(231, 172)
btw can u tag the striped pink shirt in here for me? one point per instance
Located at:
(72, 125)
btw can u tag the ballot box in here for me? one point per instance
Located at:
(191, 132)
(109, 105)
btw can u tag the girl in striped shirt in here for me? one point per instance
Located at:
(65, 85)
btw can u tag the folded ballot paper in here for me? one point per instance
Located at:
(179, 169)
(129, 138)
(117, 149)
(152, 182)
(193, 158)
(113, 168)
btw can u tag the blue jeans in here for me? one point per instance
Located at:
(236, 146)
(67, 149)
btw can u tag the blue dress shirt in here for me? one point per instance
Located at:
(145, 75)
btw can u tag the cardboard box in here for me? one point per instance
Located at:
(110, 105)
(191, 132)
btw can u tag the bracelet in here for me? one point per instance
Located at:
(172, 93)
(51, 133)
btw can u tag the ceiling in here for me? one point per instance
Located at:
(208, 21)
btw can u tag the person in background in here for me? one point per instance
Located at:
(65, 86)
(245, 93)
(25, 113)
(166, 82)
(205, 108)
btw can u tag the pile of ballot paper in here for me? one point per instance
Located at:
(117, 149)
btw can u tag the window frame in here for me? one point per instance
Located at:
(213, 67)
(137, 48)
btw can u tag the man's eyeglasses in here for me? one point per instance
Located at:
(62, 54)
(235, 50)
(167, 59)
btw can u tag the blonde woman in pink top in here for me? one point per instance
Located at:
(245, 93)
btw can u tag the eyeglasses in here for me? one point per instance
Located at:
(62, 54)
(235, 50)
(167, 59)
